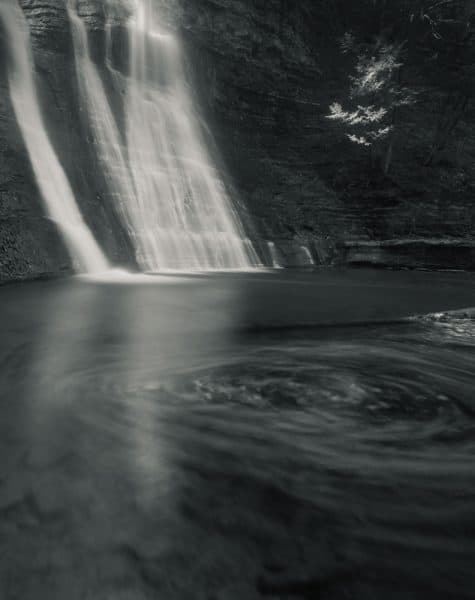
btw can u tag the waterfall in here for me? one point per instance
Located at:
(308, 258)
(168, 192)
(274, 256)
(52, 182)
(106, 134)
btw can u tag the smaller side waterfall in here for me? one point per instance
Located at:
(274, 255)
(52, 181)
(308, 258)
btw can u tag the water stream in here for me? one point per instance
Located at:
(308, 258)
(168, 192)
(52, 182)
(274, 255)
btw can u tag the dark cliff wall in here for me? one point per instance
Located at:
(259, 78)
(268, 71)
(265, 73)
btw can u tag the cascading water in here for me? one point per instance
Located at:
(308, 258)
(274, 256)
(108, 140)
(52, 181)
(169, 194)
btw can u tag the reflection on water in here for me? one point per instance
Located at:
(182, 441)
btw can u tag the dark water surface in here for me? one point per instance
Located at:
(191, 439)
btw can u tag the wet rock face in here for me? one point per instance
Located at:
(266, 73)
(47, 20)
(258, 77)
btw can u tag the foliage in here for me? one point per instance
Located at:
(433, 38)
(375, 91)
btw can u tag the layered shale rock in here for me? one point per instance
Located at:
(268, 72)
(47, 21)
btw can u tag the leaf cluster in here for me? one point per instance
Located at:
(374, 90)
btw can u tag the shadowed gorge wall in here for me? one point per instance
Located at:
(270, 71)
(265, 73)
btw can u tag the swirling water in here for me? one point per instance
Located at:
(283, 436)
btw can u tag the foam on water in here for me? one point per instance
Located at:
(121, 276)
